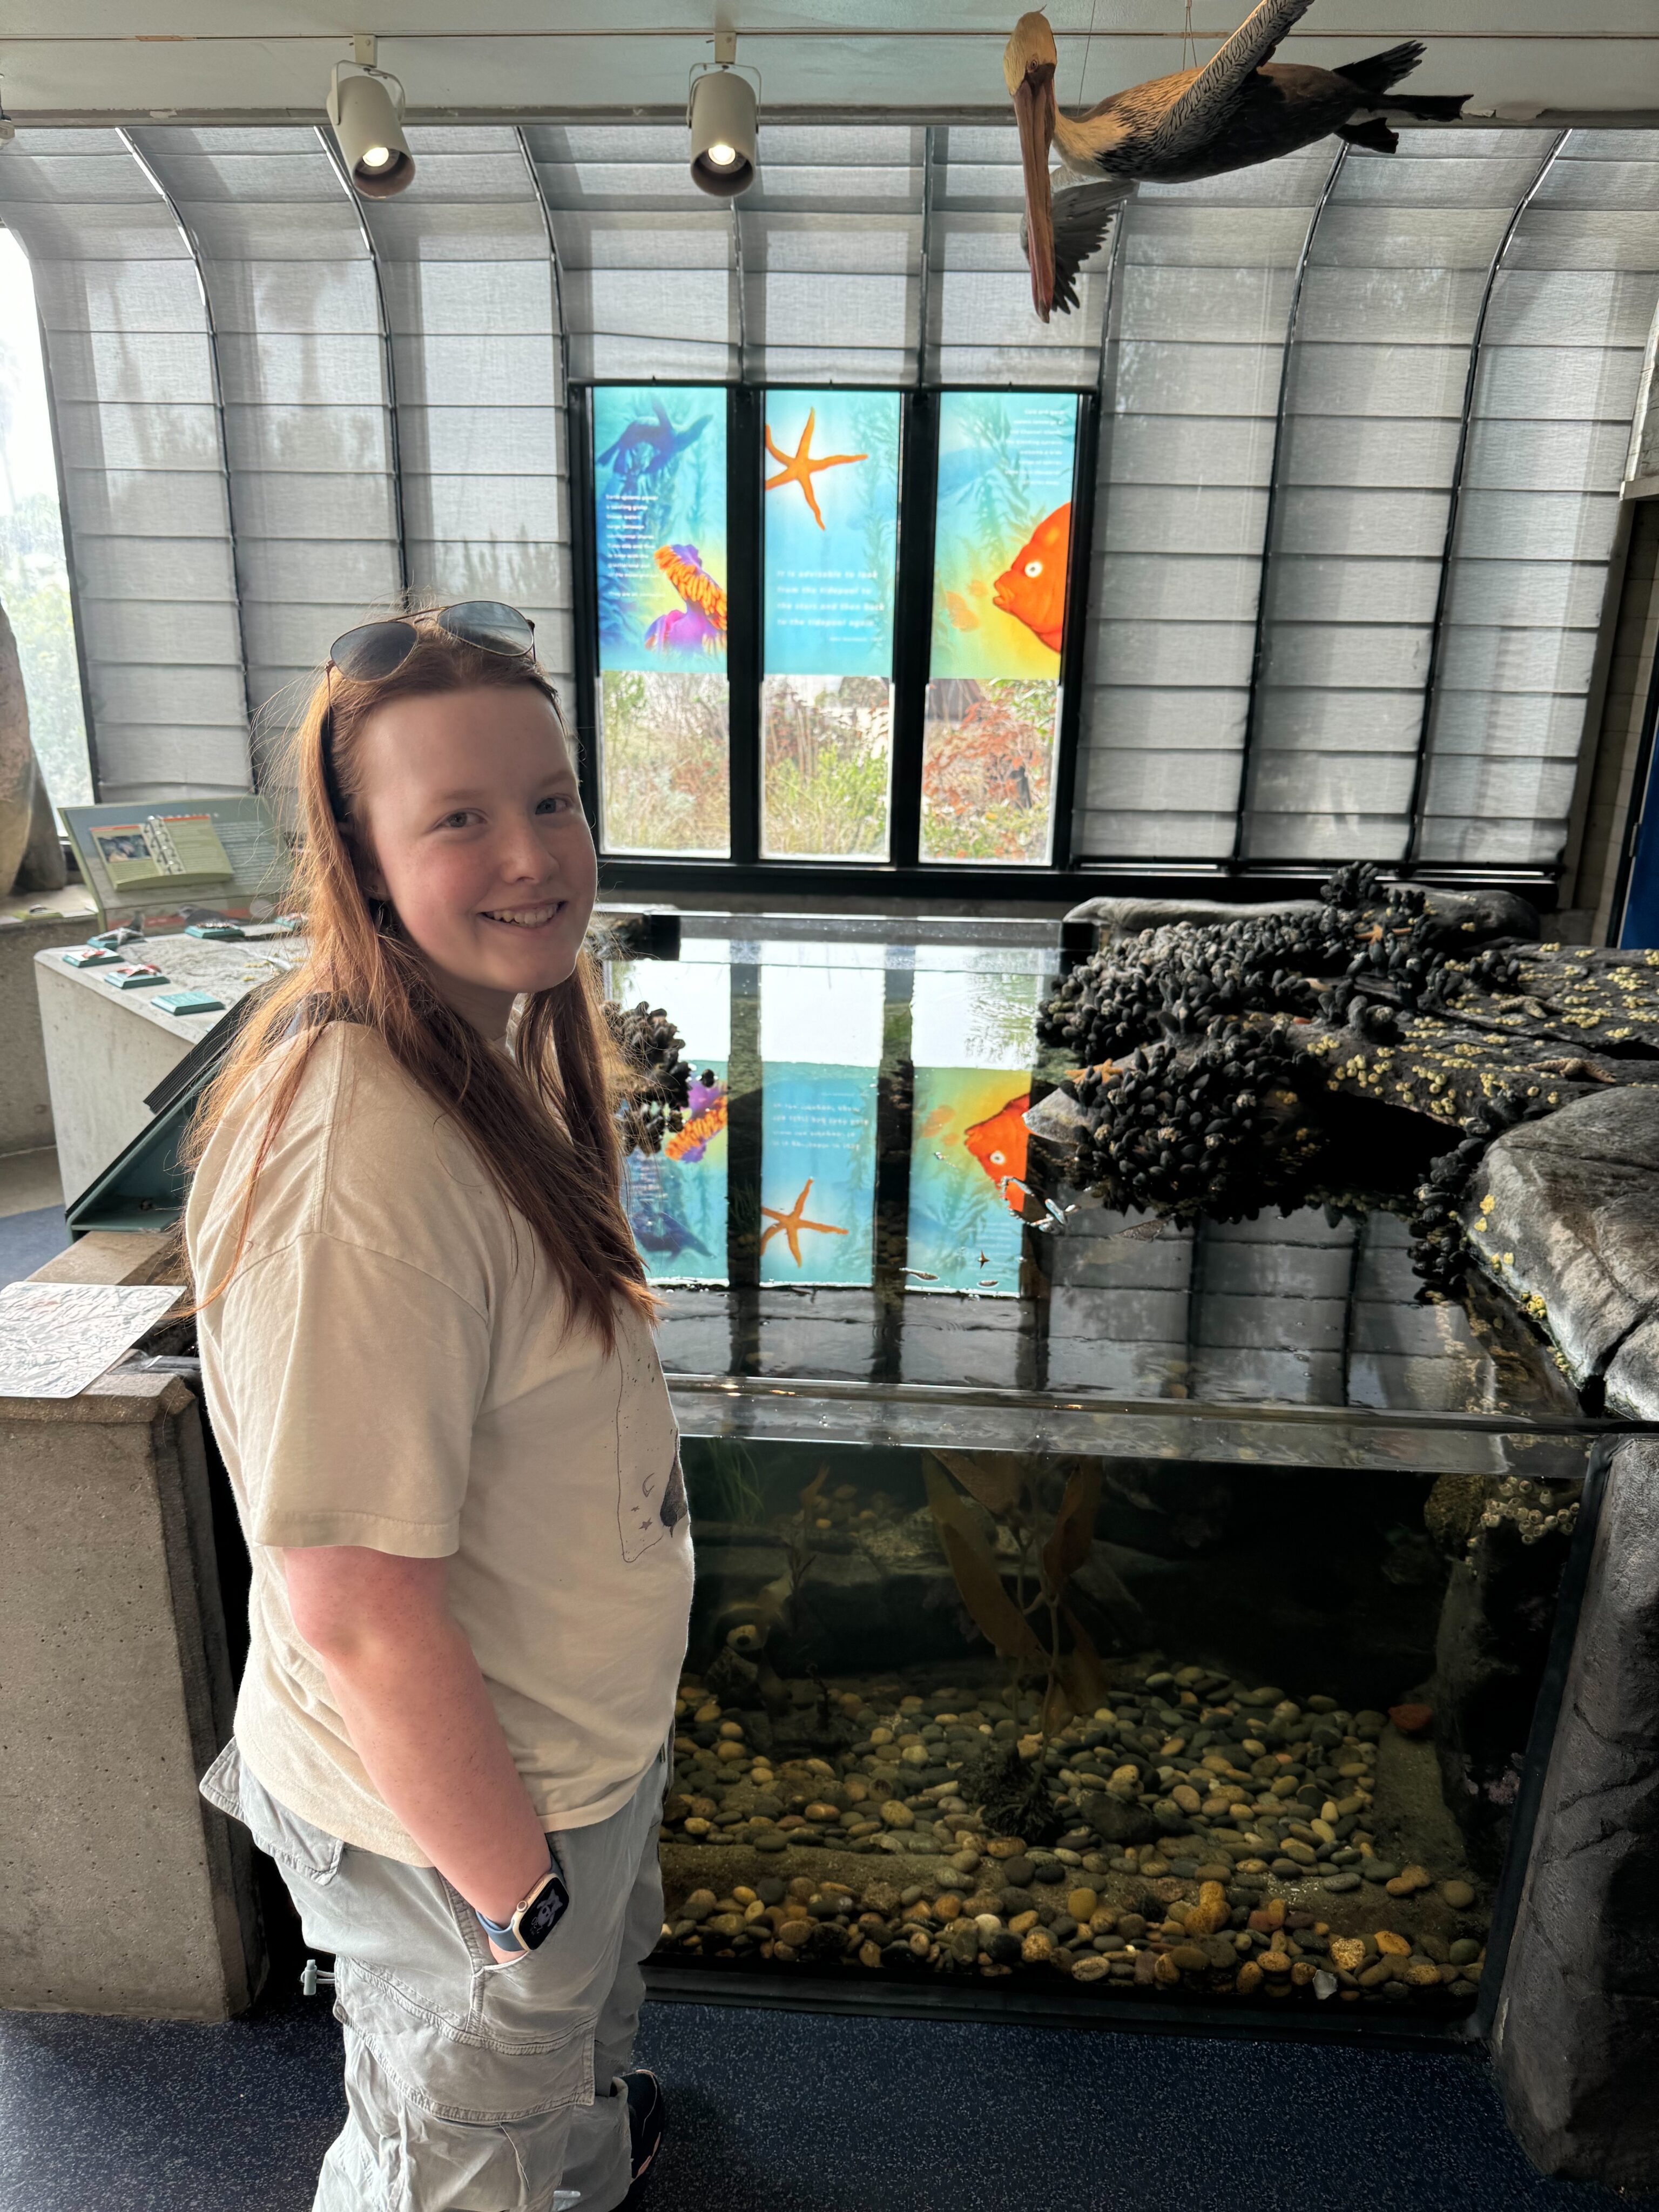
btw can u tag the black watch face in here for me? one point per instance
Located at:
(539, 1921)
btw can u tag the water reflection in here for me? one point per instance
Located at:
(839, 1208)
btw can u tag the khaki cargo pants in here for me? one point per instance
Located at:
(470, 2086)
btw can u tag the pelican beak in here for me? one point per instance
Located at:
(1033, 110)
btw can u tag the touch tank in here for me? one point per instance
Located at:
(1093, 1610)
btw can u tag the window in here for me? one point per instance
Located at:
(1002, 531)
(771, 680)
(830, 532)
(660, 572)
(33, 575)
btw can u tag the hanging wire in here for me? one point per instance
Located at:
(1089, 39)
(1188, 43)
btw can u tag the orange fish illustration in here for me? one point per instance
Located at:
(1032, 589)
(999, 1145)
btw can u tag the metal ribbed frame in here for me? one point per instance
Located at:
(325, 138)
(925, 287)
(586, 763)
(1460, 460)
(173, 209)
(561, 329)
(742, 303)
(1259, 644)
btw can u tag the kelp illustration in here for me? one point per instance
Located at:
(1032, 1627)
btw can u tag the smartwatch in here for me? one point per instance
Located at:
(536, 1915)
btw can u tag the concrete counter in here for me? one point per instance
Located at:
(106, 1049)
(120, 1890)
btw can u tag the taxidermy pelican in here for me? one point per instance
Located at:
(1237, 110)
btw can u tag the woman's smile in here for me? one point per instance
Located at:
(527, 917)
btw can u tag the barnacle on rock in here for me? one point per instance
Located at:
(1536, 1510)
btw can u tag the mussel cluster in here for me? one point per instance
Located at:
(1365, 955)
(1172, 982)
(659, 1079)
(1218, 1126)
(1197, 1095)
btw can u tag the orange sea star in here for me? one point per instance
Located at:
(794, 1221)
(799, 467)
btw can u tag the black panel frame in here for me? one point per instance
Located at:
(904, 874)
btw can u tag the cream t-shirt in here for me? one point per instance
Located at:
(387, 1368)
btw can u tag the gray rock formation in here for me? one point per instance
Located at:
(1127, 917)
(1564, 1214)
(41, 868)
(31, 852)
(1577, 2034)
(19, 776)
(1485, 913)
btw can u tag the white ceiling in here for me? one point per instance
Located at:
(72, 58)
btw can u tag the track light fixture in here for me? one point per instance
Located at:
(722, 114)
(368, 124)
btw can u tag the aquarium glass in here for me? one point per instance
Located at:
(1092, 1613)
(830, 519)
(659, 538)
(1001, 556)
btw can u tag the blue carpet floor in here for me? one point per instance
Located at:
(27, 1241)
(784, 2112)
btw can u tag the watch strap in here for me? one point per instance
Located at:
(505, 1933)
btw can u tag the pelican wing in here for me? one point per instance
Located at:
(1190, 121)
(1082, 217)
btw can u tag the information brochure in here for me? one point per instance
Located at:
(212, 859)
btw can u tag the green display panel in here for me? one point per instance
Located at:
(1001, 564)
(831, 521)
(659, 540)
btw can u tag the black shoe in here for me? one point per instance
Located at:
(645, 2119)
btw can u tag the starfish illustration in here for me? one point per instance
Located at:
(799, 467)
(794, 1222)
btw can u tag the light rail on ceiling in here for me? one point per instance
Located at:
(838, 33)
(196, 116)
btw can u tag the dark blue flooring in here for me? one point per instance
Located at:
(775, 2111)
(27, 1241)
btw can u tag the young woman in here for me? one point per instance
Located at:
(428, 1355)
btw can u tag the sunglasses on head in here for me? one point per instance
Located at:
(377, 649)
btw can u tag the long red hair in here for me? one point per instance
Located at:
(544, 1124)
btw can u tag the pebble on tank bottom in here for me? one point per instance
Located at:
(1215, 1839)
